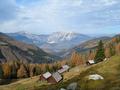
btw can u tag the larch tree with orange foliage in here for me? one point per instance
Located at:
(107, 52)
(91, 55)
(117, 49)
(7, 71)
(76, 59)
(31, 70)
(22, 73)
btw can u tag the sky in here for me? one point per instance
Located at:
(47, 16)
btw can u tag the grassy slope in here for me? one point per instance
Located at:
(33, 83)
(110, 70)
(24, 84)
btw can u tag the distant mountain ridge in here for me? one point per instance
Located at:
(11, 50)
(86, 46)
(52, 43)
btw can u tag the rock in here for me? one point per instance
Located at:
(95, 77)
(72, 86)
(62, 89)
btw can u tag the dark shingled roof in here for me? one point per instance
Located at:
(57, 76)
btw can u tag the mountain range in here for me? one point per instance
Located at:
(45, 48)
(52, 43)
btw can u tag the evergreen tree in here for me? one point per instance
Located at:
(1, 72)
(37, 70)
(13, 72)
(47, 68)
(14, 67)
(100, 55)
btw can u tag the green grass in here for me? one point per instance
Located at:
(110, 70)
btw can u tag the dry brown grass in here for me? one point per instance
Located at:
(24, 84)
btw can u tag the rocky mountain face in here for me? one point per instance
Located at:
(11, 50)
(53, 43)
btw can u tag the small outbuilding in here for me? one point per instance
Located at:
(90, 62)
(63, 69)
(45, 76)
(51, 78)
(55, 78)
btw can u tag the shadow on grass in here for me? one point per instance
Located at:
(7, 81)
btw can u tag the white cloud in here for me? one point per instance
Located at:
(60, 15)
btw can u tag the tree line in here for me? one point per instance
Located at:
(15, 69)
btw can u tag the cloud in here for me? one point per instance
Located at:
(45, 16)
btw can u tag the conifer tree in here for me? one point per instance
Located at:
(1, 72)
(100, 55)
(38, 70)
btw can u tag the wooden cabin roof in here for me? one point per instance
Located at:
(47, 75)
(91, 61)
(57, 76)
(63, 69)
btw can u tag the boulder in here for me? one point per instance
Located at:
(72, 86)
(95, 77)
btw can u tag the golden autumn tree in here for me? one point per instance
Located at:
(79, 59)
(73, 59)
(114, 40)
(117, 49)
(22, 73)
(76, 59)
(7, 71)
(91, 55)
(43, 67)
(107, 52)
(31, 70)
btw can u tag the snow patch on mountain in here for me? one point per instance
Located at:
(61, 36)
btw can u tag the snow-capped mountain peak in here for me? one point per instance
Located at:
(61, 36)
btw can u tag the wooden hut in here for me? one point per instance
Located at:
(90, 62)
(45, 76)
(55, 78)
(63, 69)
